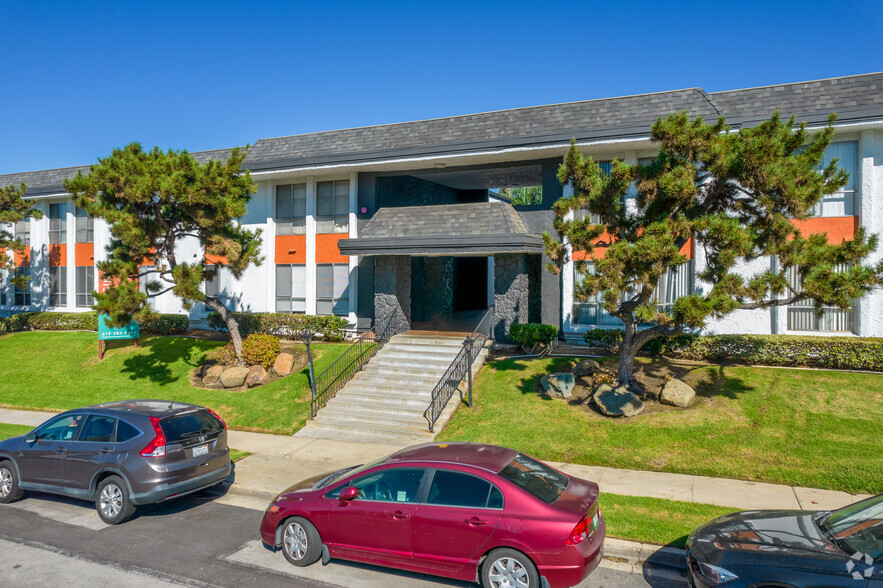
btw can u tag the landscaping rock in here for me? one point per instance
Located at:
(677, 393)
(212, 375)
(284, 364)
(558, 385)
(234, 377)
(586, 367)
(257, 375)
(617, 401)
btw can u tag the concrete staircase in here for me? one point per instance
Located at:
(384, 403)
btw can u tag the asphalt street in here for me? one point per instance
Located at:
(208, 539)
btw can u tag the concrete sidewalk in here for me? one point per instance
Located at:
(279, 461)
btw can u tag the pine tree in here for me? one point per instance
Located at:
(153, 201)
(13, 208)
(734, 193)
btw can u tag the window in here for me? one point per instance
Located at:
(147, 278)
(125, 432)
(291, 209)
(841, 203)
(591, 312)
(458, 489)
(23, 230)
(332, 292)
(332, 206)
(2, 290)
(85, 281)
(291, 288)
(98, 429)
(213, 285)
(22, 296)
(802, 315)
(58, 223)
(536, 477)
(85, 224)
(63, 429)
(58, 286)
(180, 429)
(392, 485)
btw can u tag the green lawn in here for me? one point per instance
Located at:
(818, 429)
(60, 370)
(655, 520)
(7, 431)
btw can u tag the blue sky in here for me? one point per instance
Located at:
(80, 78)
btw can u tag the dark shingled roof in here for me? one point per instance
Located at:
(50, 181)
(536, 125)
(476, 227)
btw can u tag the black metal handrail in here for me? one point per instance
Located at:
(351, 362)
(459, 369)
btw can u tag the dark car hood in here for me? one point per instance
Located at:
(12, 443)
(782, 533)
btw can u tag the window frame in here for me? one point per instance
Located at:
(17, 292)
(89, 278)
(832, 314)
(22, 231)
(848, 194)
(334, 301)
(58, 235)
(293, 223)
(89, 417)
(58, 297)
(492, 487)
(335, 216)
(88, 230)
(291, 298)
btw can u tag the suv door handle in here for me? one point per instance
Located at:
(400, 515)
(60, 450)
(475, 521)
(105, 450)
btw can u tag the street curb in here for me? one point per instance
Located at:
(639, 553)
(251, 491)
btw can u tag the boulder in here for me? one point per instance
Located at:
(617, 401)
(212, 375)
(234, 377)
(558, 385)
(283, 364)
(257, 375)
(677, 393)
(586, 367)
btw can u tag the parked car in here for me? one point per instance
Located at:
(467, 511)
(119, 455)
(791, 548)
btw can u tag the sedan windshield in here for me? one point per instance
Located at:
(335, 476)
(536, 477)
(858, 528)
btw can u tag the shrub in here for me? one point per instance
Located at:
(226, 355)
(610, 339)
(260, 349)
(165, 324)
(527, 335)
(160, 324)
(332, 328)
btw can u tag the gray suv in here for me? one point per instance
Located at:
(119, 455)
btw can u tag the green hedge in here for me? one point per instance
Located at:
(333, 328)
(529, 334)
(784, 350)
(160, 324)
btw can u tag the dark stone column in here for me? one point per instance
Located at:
(510, 292)
(537, 222)
(392, 289)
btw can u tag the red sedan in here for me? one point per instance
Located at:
(462, 510)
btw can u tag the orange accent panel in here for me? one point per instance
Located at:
(291, 249)
(23, 258)
(327, 250)
(216, 259)
(838, 228)
(103, 284)
(57, 255)
(84, 254)
(601, 250)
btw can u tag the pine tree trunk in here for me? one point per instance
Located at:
(627, 351)
(232, 325)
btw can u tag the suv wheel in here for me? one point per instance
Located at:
(9, 490)
(112, 502)
(301, 543)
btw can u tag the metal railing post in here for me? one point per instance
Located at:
(468, 345)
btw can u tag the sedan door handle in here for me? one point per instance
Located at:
(475, 521)
(60, 450)
(400, 515)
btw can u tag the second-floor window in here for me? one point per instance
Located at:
(23, 231)
(842, 202)
(58, 223)
(291, 209)
(332, 207)
(85, 224)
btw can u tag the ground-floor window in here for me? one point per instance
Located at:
(85, 281)
(332, 289)
(291, 288)
(674, 283)
(22, 296)
(802, 316)
(58, 285)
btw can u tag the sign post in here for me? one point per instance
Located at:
(108, 333)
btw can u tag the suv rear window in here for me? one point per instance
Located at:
(192, 424)
(536, 477)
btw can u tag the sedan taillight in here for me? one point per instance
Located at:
(580, 532)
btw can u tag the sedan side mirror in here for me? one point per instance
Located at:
(348, 493)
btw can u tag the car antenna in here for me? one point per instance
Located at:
(172, 402)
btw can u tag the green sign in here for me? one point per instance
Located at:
(108, 333)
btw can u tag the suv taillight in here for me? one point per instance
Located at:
(580, 532)
(157, 446)
(214, 414)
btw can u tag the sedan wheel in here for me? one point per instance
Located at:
(112, 503)
(507, 568)
(301, 543)
(9, 489)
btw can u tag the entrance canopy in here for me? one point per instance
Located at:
(476, 228)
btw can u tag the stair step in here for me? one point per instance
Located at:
(343, 414)
(412, 361)
(422, 348)
(387, 394)
(379, 436)
(384, 377)
(420, 372)
(380, 407)
(426, 341)
(417, 426)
